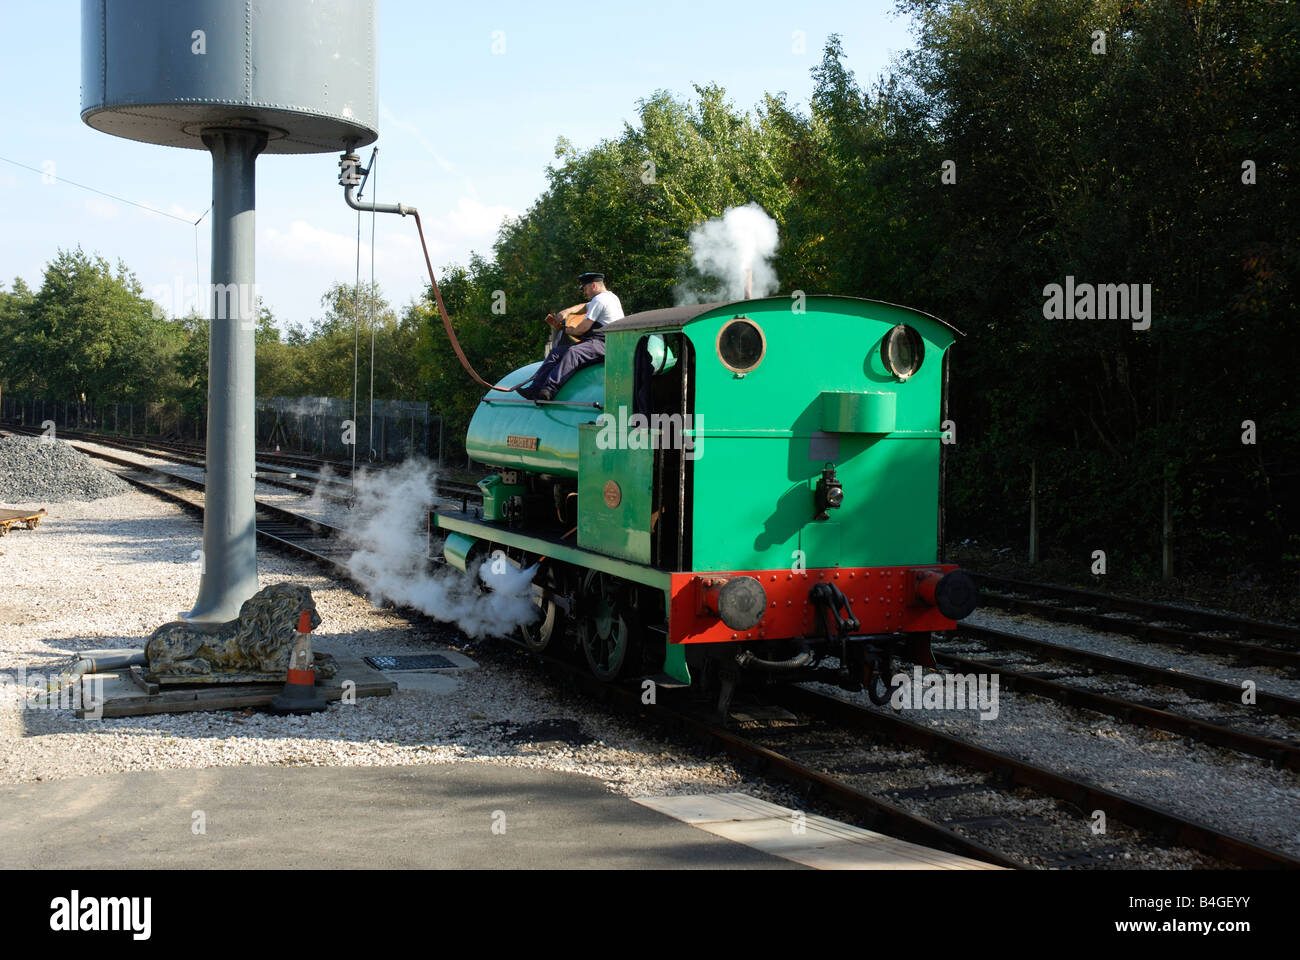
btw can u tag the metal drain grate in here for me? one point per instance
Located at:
(422, 661)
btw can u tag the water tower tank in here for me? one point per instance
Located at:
(303, 71)
(236, 78)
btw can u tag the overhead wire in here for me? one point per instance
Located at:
(103, 193)
(356, 348)
(374, 170)
(198, 273)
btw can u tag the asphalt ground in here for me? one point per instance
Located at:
(441, 816)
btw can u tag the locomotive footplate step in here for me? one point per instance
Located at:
(808, 839)
(117, 694)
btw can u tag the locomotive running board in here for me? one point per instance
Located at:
(457, 522)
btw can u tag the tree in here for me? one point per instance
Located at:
(15, 308)
(89, 331)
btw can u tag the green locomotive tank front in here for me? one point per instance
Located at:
(819, 396)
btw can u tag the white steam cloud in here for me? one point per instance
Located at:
(725, 249)
(387, 529)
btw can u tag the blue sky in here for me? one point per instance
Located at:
(465, 134)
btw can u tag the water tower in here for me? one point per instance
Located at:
(236, 78)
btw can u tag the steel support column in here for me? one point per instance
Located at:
(229, 568)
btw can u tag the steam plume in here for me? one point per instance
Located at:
(386, 528)
(725, 249)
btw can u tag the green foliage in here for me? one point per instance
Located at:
(88, 331)
(1122, 167)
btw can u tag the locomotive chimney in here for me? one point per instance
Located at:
(749, 284)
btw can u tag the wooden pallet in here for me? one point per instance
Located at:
(10, 517)
(126, 695)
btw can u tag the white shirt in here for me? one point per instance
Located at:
(604, 308)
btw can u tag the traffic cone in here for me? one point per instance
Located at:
(300, 694)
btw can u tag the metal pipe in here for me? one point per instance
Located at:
(356, 351)
(746, 660)
(349, 164)
(104, 664)
(546, 403)
(229, 574)
(371, 298)
(349, 194)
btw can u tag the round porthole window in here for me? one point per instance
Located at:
(741, 345)
(902, 351)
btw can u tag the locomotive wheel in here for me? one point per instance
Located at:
(538, 635)
(609, 636)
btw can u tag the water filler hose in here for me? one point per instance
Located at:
(349, 178)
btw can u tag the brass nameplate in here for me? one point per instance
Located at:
(522, 443)
(613, 494)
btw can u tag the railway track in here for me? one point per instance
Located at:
(171, 452)
(183, 447)
(809, 750)
(874, 812)
(1077, 795)
(276, 527)
(1055, 665)
(320, 468)
(1246, 641)
(803, 752)
(975, 812)
(311, 476)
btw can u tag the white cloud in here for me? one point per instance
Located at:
(331, 252)
(476, 222)
(304, 243)
(470, 225)
(298, 262)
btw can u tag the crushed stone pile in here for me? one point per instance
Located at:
(38, 469)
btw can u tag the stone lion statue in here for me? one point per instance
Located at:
(254, 647)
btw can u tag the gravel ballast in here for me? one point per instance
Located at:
(1214, 785)
(40, 470)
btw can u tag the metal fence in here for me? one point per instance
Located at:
(161, 420)
(322, 426)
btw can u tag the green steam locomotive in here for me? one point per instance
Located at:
(745, 491)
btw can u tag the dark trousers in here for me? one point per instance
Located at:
(565, 359)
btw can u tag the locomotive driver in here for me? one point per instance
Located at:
(581, 345)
